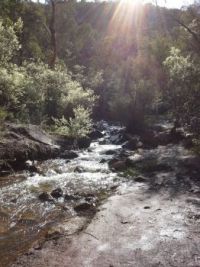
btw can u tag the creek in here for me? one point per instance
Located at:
(24, 218)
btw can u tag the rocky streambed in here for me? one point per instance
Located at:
(55, 200)
(34, 201)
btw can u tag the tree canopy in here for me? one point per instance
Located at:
(59, 57)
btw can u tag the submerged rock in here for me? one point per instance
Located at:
(103, 142)
(140, 179)
(79, 169)
(133, 143)
(85, 206)
(45, 197)
(31, 167)
(118, 165)
(118, 137)
(71, 197)
(110, 152)
(96, 134)
(103, 161)
(84, 142)
(56, 193)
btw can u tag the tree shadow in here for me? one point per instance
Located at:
(171, 168)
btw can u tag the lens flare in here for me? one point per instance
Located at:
(127, 18)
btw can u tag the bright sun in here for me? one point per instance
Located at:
(125, 11)
(131, 2)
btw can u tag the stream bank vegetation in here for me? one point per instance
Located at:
(63, 63)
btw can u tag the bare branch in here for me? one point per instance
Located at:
(195, 36)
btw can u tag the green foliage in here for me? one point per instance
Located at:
(179, 67)
(12, 83)
(78, 126)
(184, 86)
(51, 93)
(9, 43)
(3, 115)
(88, 78)
(33, 92)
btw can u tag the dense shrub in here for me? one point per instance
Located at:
(184, 87)
(78, 126)
(53, 93)
(34, 93)
(9, 43)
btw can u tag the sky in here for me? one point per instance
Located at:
(175, 3)
(166, 3)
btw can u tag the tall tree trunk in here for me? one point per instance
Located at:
(52, 28)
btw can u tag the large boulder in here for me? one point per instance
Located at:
(22, 143)
(32, 132)
(16, 153)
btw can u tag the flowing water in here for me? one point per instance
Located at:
(24, 218)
